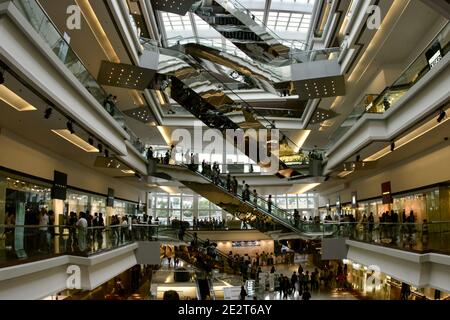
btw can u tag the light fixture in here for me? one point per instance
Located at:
(12, 99)
(69, 125)
(74, 139)
(441, 116)
(416, 133)
(128, 171)
(48, 113)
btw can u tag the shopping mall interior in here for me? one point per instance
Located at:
(224, 150)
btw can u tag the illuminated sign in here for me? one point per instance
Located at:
(241, 244)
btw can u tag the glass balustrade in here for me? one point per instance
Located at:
(261, 204)
(42, 24)
(212, 83)
(24, 243)
(433, 236)
(392, 94)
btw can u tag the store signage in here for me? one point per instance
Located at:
(59, 189)
(240, 244)
(434, 54)
(354, 197)
(386, 192)
(110, 199)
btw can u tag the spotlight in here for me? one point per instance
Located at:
(48, 113)
(100, 148)
(70, 127)
(91, 141)
(441, 116)
(106, 153)
(2, 77)
(392, 145)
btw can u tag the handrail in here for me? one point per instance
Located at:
(420, 67)
(71, 60)
(274, 208)
(237, 5)
(244, 105)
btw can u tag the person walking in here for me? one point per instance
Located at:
(306, 294)
(243, 293)
(294, 280)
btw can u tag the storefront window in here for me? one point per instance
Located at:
(20, 195)
(82, 202)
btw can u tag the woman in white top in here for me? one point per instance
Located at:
(82, 225)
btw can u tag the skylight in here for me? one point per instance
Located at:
(174, 22)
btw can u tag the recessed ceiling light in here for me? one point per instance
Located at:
(13, 100)
(74, 139)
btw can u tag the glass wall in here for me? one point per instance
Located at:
(183, 206)
(305, 203)
(84, 202)
(19, 195)
(122, 208)
(431, 204)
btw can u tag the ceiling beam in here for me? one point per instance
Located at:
(193, 25)
(266, 11)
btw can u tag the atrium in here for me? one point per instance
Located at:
(224, 150)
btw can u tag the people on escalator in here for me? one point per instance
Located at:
(255, 197)
(234, 186)
(269, 204)
(149, 153)
(296, 217)
(246, 193)
(167, 157)
(228, 183)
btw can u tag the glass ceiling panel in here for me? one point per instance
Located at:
(175, 22)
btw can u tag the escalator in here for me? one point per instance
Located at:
(265, 217)
(202, 94)
(203, 285)
(237, 24)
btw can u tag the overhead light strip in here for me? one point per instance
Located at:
(75, 140)
(413, 135)
(97, 29)
(15, 101)
(301, 141)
